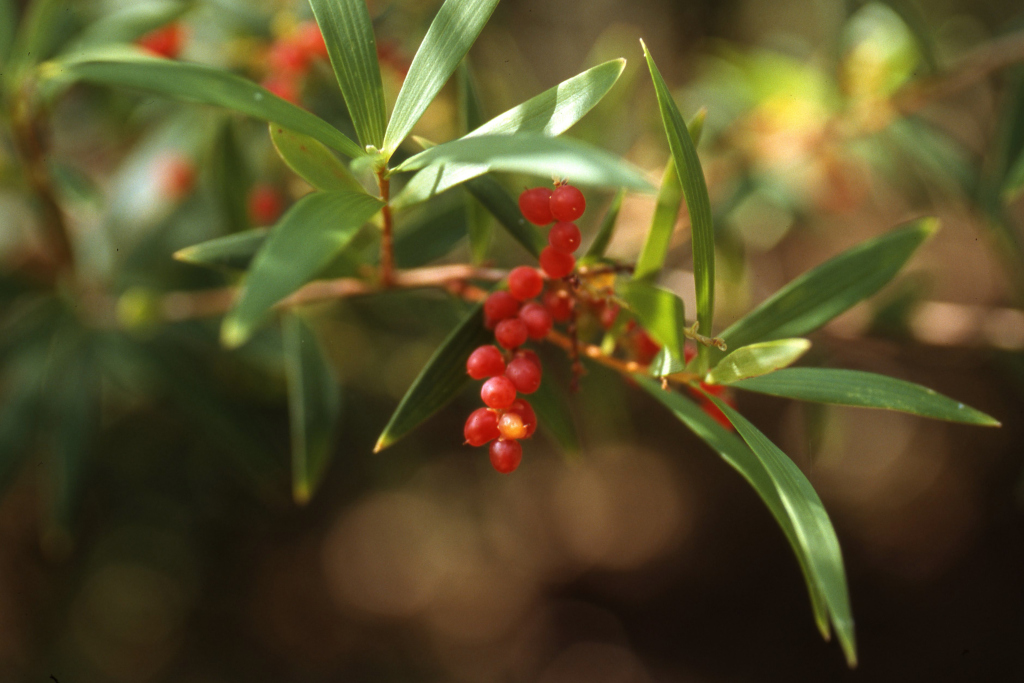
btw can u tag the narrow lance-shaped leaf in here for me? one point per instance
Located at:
(314, 402)
(537, 155)
(811, 523)
(129, 68)
(312, 161)
(234, 252)
(348, 33)
(666, 212)
(599, 246)
(817, 296)
(441, 380)
(451, 34)
(864, 390)
(551, 113)
(305, 240)
(479, 225)
(1014, 179)
(695, 190)
(503, 207)
(736, 453)
(230, 178)
(554, 418)
(35, 35)
(659, 310)
(757, 359)
(128, 23)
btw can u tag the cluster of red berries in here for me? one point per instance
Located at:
(165, 41)
(560, 206)
(289, 58)
(510, 370)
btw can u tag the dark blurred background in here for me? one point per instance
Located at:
(180, 556)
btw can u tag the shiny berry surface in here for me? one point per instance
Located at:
(559, 305)
(525, 375)
(498, 392)
(506, 456)
(565, 237)
(481, 427)
(485, 362)
(525, 283)
(511, 333)
(535, 204)
(500, 306)
(511, 426)
(523, 409)
(529, 355)
(538, 320)
(555, 263)
(567, 203)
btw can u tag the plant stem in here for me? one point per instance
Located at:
(387, 240)
(28, 141)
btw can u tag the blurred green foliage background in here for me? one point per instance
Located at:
(147, 527)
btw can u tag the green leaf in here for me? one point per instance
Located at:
(314, 402)
(864, 390)
(810, 522)
(441, 380)
(479, 226)
(233, 252)
(128, 23)
(817, 296)
(503, 207)
(736, 453)
(305, 240)
(231, 178)
(695, 190)
(1014, 179)
(666, 211)
(755, 360)
(536, 155)
(427, 235)
(550, 114)
(599, 246)
(36, 35)
(452, 33)
(312, 161)
(555, 419)
(471, 109)
(129, 68)
(8, 25)
(348, 33)
(658, 310)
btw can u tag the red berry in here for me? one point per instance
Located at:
(523, 409)
(525, 283)
(165, 41)
(486, 361)
(646, 348)
(511, 426)
(555, 263)
(536, 205)
(609, 312)
(176, 175)
(506, 455)
(511, 333)
(689, 353)
(287, 57)
(567, 203)
(538, 320)
(498, 392)
(481, 427)
(285, 86)
(265, 204)
(529, 355)
(565, 237)
(559, 304)
(525, 375)
(500, 306)
(310, 40)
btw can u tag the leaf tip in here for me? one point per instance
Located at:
(383, 442)
(929, 226)
(300, 493)
(185, 255)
